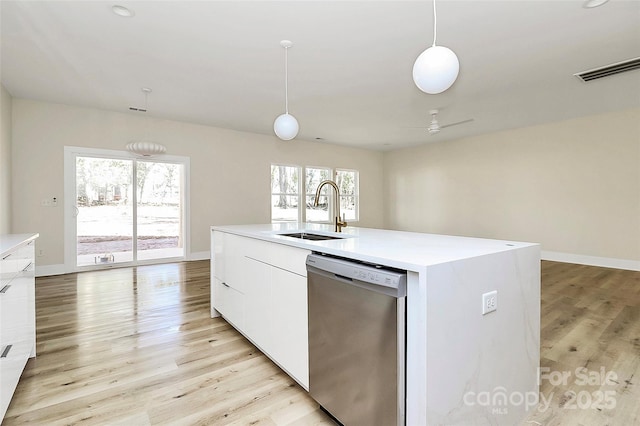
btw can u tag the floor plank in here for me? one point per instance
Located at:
(136, 346)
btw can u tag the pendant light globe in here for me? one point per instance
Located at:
(286, 127)
(436, 69)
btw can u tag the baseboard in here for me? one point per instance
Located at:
(47, 270)
(606, 262)
(200, 255)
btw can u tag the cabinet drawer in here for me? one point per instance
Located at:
(289, 258)
(229, 302)
(15, 312)
(229, 263)
(8, 269)
(11, 367)
(257, 249)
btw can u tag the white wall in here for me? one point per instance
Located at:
(573, 186)
(5, 161)
(41, 130)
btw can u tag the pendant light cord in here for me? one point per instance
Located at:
(146, 114)
(435, 23)
(286, 80)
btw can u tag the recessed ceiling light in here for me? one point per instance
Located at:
(590, 4)
(122, 11)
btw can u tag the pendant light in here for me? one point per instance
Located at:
(145, 147)
(436, 68)
(286, 125)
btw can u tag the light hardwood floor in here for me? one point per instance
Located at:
(136, 346)
(590, 320)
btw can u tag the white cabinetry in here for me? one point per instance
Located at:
(261, 289)
(17, 317)
(289, 323)
(227, 286)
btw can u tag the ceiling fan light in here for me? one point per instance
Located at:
(286, 127)
(436, 69)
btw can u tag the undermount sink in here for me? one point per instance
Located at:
(311, 236)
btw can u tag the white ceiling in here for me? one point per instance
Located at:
(220, 63)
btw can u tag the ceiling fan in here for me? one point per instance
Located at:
(435, 127)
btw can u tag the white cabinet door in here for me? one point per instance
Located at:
(227, 274)
(289, 323)
(234, 261)
(227, 254)
(217, 255)
(257, 307)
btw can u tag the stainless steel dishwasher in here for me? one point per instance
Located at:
(357, 340)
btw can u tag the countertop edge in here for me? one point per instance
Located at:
(9, 242)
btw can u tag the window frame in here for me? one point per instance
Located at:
(70, 224)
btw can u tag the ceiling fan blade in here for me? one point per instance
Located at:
(456, 123)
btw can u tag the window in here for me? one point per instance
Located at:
(292, 198)
(347, 181)
(285, 193)
(313, 178)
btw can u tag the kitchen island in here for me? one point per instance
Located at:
(462, 366)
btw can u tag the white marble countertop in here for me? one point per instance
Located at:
(411, 251)
(10, 241)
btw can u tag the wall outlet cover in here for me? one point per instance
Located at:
(489, 302)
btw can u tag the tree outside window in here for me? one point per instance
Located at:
(347, 181)
(285, 193)
(320, 213)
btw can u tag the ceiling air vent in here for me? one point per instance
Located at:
(609, 70)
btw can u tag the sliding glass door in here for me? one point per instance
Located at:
(104, 211)
(123, 209)
(159, 210)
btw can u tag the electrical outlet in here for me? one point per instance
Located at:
(489, 302)
(40, 252)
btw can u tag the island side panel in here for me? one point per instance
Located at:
(216, 253)
(416, 344)
(483, 368)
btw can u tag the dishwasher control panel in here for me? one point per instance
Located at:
(359, 271)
